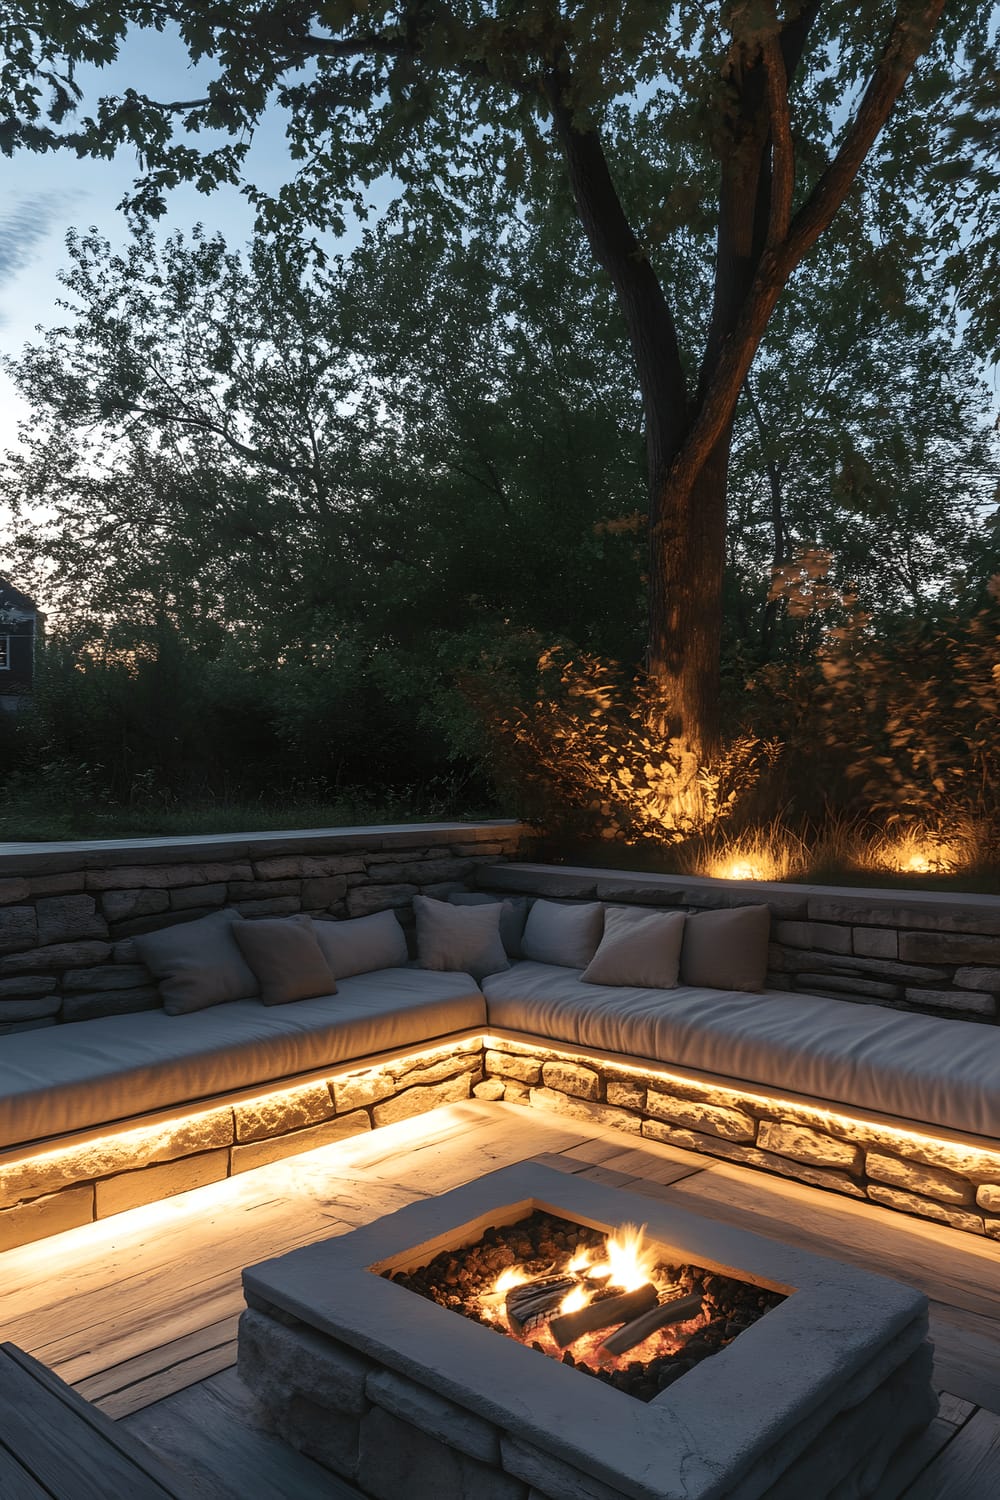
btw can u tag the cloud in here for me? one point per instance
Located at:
(22, 229)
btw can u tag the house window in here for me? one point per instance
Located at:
(4, 653)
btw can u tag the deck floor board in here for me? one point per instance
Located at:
(139, 1313)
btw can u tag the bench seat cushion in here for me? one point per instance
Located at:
(938, 1072)
(67, 1078)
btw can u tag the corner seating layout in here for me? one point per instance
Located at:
(102, 1115)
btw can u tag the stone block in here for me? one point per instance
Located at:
(841, 986)
(158, 921)
(29, 1010)
(825, 936)
(277, 906)
(56, 956)
(46, 1216)
(276, 1114)
(415, 1101)
(277, 1147)
(105, 977)
(26, 987)
(308, 866)
(731, 1124)
(323, 891)
(583, 1109)
(437, 1416)
(972, 1001)
(946, 1187)
(396, 1459)
(549, 1475)
(628, 1094)
(978, 978)
(362, 1089)
(67, 919)
(262, 890)
(490, 1088)
(516, 1093)
(124, 906)
(63, 883)
(875, 942)
(571, 1078)
(513, 1065)
(926, 1208)
(364, 899)
(988, 1197)
(166, 877)
(949, 948)
(949, 914)
(434, 1072)
(12, 890)
(625, 893)
(152, 1184)
(85, 1007)
(751, 1156)
(186, 896)
(18, 928)
(811, 1146)
(52, 1170)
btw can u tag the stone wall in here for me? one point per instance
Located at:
(915, 950)
(68, 912)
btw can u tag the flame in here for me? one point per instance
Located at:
(631, 1261)
(513, 1276)
(577, 1297)
(581, 1261)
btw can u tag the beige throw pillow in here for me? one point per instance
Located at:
(286, 958)
(461, 938)
(726, 950)
(358, 945)
(565, 935)
(639, 948)
(198, 964)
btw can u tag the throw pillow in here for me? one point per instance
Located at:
(513, 914)
(357, 945)
(564, 935)
(198, 964)
(462, 938)
(639, 948)
(286, 958)
(726, 950)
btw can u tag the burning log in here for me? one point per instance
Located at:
(571, 1326)
(528, 1305)
(624, 1339)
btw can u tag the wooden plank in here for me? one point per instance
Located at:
(968, 1468)
(15, 1482)
(119, 1377)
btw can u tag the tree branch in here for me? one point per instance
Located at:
(782, 151)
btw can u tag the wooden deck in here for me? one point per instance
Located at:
(139, 1312)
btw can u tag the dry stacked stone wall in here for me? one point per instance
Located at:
(68, 914)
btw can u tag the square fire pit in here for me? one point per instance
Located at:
(403, 1397)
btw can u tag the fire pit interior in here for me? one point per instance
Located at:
(618, 1307)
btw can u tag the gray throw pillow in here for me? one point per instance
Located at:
(513, 915)
(565, 935)
(465, 939)
(726, 950)
(640, 948)
(198, 964)
(286, 958)
(359, 945)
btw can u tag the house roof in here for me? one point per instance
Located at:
(12, 598)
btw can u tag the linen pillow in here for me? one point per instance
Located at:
(198, 964)
(513, 914)
(639, 948)
(463, 938)
(286, 958)
(726, 950)
(357, 945)
(564, 935)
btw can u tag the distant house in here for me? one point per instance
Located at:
(21, 626)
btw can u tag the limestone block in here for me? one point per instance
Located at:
(13, 889)
(277, 1113)
(396, 1459)
(277, 906)
(123, 906)
(949, 914)
(949, 948)
(992, 1228)
(751, 1156)
(978, 978)
(826, 936)
(627, 893)
(490, 1088)
(516, 1093)
(875, 942)
(927, 1208)
(583, 1109)
(628, 1094)
(436, 1415)
(966, 1161)
(931, 1181)
(323, 891)
(364, 899)
(732, 1124)
(512, 1065)
(18, 928)
(61, 884)
(45, 1216)
(110, 1003)
(262, 890)
(965, 1000)
(152, 1184)
(52, 1170)
(362, 1089)
(813, 1146)
(26, 987)
(166, 877)
(571, 1078)
(277, 1147)
(56, 956)
(434, 1072)
(105, 977)
(184, 897)
(416, 1101)
(290, 867)
(64, 919)
(29, 1009)
(988, 1197)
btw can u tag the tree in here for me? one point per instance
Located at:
(434, 94)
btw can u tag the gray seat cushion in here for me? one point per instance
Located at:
(937, 1072)
(93, 1072)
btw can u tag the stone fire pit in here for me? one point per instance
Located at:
(401, 1397)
